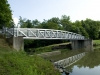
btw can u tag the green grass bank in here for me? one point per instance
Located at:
(96, 45)
(46, 48)
(20, 63)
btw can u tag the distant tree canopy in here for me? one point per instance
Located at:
(5, 13)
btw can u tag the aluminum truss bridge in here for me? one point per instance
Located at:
(35, 33)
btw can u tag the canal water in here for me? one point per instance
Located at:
(88, 65)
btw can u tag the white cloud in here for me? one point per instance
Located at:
(15, 19)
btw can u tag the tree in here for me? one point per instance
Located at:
(66, 23)
(25, 23)
(5, 14)
(92, 27)
(53, 23)
(22, 22)
(29, 24)
(36, 23)
(78, 28)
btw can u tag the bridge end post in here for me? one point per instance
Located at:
(16, 42)
(86, 45)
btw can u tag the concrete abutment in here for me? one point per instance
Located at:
(86, 45)
(16, 42)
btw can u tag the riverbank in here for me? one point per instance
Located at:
(50, 48)
(20, 63)
(96, 45)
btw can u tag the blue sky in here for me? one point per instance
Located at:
(46, 9)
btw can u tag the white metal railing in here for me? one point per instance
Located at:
(69, 61)
(33, 33)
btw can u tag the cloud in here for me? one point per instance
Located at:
(15, 19)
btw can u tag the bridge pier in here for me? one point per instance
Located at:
(16, 42)
(86, 45)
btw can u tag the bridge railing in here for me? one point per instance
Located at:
(69, 61)
(33, 33)
(9, 32)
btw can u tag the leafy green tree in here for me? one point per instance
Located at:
(92, 27)
(53, 23)
(50, 25)
(66, 23)
(5, 13)
(29, 24)
(78, 28)
(25, 23)
(36, 23)
(56, 23)
(22, 22)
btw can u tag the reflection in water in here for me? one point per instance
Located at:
(64, 54)
(90, 60)
(85, 71)
(88, 65)
(69, 61)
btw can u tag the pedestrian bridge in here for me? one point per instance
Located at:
(33, 33)
(16, 37)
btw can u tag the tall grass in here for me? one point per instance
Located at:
(19, 63)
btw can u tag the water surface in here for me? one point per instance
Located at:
(85, 70)
(88, 65)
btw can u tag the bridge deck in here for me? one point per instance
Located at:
(33, 33)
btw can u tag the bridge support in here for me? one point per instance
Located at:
(16, 42)
(86, 45)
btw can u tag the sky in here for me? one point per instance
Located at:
(46, 9)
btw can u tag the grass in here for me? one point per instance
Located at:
(96, 45)
(44, 49)
(96, 41)
(19, 63)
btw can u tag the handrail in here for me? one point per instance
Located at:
(35, 33)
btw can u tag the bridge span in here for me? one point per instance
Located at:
(33, 33)
(16, 37)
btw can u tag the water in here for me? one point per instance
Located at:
(85, 70)
(88, 65)
(64, 54)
